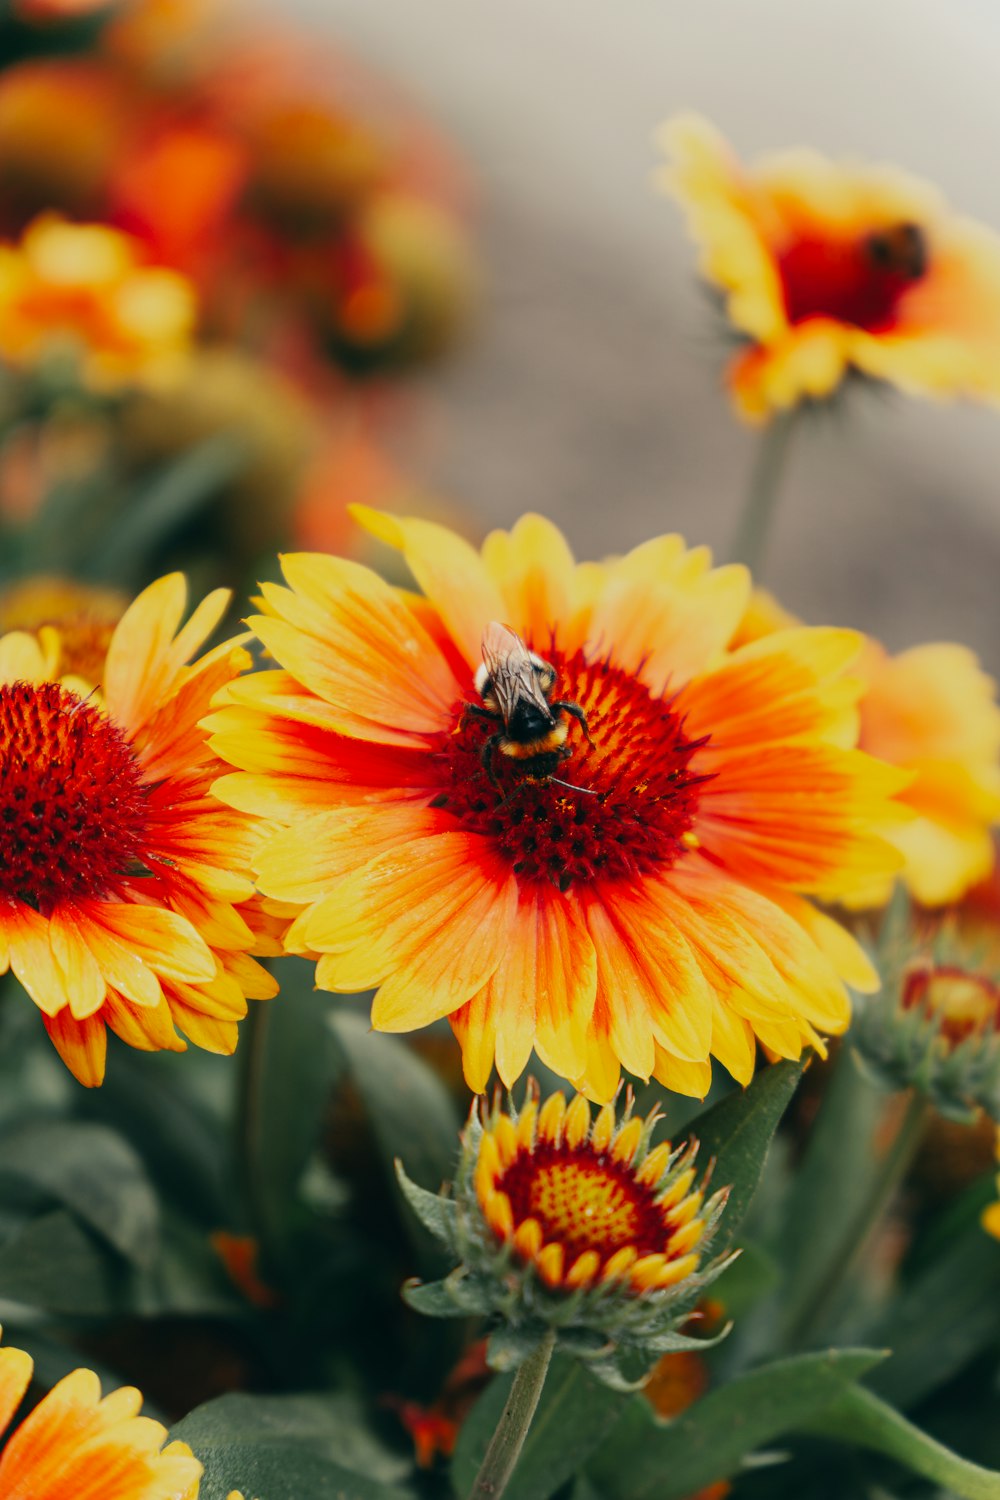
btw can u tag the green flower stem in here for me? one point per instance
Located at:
(754, 526)
(515, 1419)
(252, 1054)
(858, 1227)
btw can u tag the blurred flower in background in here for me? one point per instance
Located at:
(831, 268)
(933, 712)
(189, 191)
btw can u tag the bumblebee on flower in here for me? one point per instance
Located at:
(646, 907)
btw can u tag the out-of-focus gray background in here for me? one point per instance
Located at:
(590, 388)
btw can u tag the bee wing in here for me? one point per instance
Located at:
(512, 673)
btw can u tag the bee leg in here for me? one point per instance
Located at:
(486, 757)
(579, 716)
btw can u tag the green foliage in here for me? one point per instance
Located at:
(575, 1414)
(860, 1417)
(736, 1134)
(91, 1170)
(412, 1117)
(287, 1447)
(645, 1460)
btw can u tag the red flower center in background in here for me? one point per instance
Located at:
(633, 795)
(964, 1004)
(584, 1200)
(72, 803)
(853, 281)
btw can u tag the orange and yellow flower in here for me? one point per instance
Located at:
(646, 910)
(125, 899)
(588, 1203)
(933, 711)
(82, 288)
(76, 1445)
(831, 267)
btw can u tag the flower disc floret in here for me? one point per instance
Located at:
(567, 1220)
(72, 803)
(587, 1203)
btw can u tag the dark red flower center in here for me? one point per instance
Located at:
(858, 281)
(585, 1200)
(72, 802)
(632, 794)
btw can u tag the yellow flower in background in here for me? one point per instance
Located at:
(82, 289)
(82, 616)
(829, 267)
(125, 899)
(644, 909)
(76, 1445)
(932, 711)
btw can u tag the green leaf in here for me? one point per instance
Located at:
(411, 1113)
(860, 1418)
(737, 1133)
(437, 1214)
(829, 1188)
(941, 1319)
(574, 1415)
(330, 1426)
(283, 1471)
(186, 1279)
(147, 1098)
(645, 1460)
(56, 1264)
(297, 1074)
(161, 507)
(93, 1171)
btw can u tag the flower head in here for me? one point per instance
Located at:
(932, 711)
(635, 898)
(77, 1443)
(82, 288)
(124, 894)
(831, 267)
(936, 1026)
(80, 616)
(579, 1224)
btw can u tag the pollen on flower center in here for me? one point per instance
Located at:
(72, 802)
(856, 281)
(632, 795)
(584, 1200)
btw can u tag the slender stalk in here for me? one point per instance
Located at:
(515, 1419)
(859, 1226)
(252, 1054)
(754, 525)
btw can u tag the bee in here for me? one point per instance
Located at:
(516, 687)
(900, 250)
